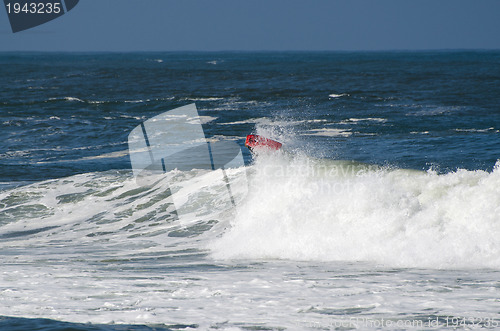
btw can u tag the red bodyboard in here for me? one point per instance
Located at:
(254, 141)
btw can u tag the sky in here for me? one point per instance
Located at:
(263, 25)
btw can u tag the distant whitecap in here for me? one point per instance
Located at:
(334, 96)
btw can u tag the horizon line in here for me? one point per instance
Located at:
(260, 51)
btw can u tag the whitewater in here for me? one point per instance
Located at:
(382, 210)
(314, 242)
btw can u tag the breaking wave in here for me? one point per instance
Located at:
(300, 208)
(297, 208)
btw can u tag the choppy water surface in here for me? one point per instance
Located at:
(383, 211)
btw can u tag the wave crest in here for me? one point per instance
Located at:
(317, 210)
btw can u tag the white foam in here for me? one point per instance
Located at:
(329, 132)
(105, 256)
(67, 99)
(75, 99)
(203, 99)
(334, 96)
(207, 119)
(302, 209)
(248, 121)
(137, 101)
(492, 129)
(272, 122)
(368, 119)
(110, 155)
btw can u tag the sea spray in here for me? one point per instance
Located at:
(299, 208)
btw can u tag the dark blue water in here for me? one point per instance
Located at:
(436, 109)
(39, 324)
(65, 114)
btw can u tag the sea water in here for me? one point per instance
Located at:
(381, 211)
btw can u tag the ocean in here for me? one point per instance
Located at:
(382, 211)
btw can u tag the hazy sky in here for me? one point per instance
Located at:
(213, 25)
